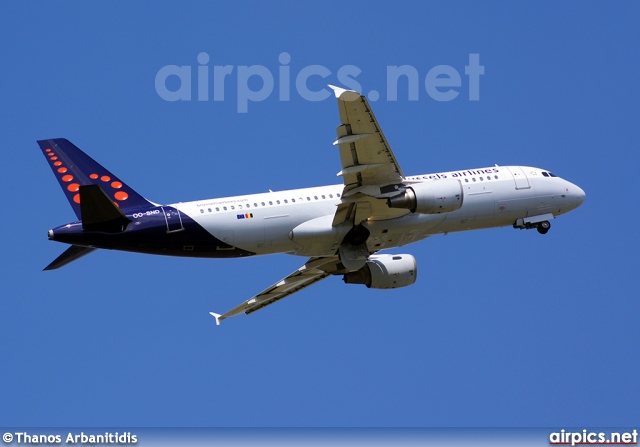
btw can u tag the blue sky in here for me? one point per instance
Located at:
(503, 328)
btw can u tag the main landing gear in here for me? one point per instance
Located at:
(353, 250)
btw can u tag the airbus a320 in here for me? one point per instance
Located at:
(341, 229)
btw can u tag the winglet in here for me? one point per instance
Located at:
(217, 317)
(345, 95)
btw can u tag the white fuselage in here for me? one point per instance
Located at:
(492, 197)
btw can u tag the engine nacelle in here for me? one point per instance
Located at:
(433, 197)
(385, 272)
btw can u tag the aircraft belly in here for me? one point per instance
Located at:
(401, 231)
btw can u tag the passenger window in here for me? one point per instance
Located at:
(331, 196)
(201, 210)
(248, 205)
(209, 209)
(262, 203)
(278, 202)
(338, 195)
(270, 202)
(224, 208)
(255, 205)
(293, 200)
(217, 208)
(496, 177)
(466, 180)
(323, 196)
(233, 207)
(285, 201)
(474, 179)
(315, 197)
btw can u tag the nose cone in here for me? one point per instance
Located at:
(580, 195)
(576, 193)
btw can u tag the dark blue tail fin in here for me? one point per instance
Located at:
(73, 169)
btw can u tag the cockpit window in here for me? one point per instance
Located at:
(545, 174)
(552, 174)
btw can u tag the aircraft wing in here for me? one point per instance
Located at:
(369, 168)
(371, 174)
(314, 270)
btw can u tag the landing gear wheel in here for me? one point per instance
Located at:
(357, 235)
(543, 227)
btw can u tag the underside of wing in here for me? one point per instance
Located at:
(369, 168)
(367, 159)
(314, 270)
(371, 175)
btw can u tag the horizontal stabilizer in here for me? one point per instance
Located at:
(99, 213)
(71, 254)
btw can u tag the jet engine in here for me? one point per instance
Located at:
(385, 272)
(433, 197)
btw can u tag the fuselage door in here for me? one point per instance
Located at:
(173, 219)
(522, 182)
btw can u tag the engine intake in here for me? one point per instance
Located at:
(385, 272)
(432, 197)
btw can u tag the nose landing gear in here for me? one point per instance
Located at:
(543, 227)
(540, 223)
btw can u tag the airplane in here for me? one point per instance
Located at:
(340, 228)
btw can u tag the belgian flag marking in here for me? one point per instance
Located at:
(245, 216)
